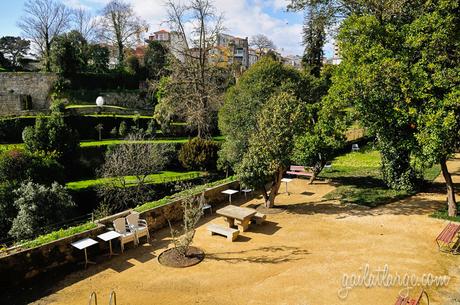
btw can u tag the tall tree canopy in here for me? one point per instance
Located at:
(69, 53)
(120, 26)
(401, 73)
(14, 48)
(44, 20)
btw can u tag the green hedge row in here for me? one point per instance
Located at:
(11, 128)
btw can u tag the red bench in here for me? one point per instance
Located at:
(298, 171)
(408, 301)
(446, 239)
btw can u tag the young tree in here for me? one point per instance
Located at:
(193, 211)
(120, 26)
(270, 147)
(126, 168)
(262, 43)
(194, 90)
(44, 20)
(14, 48)
(69, 53)
(39, 207)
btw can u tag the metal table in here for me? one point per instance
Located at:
(108, 236)
(230, 192)
(82, 244)
(286, 180)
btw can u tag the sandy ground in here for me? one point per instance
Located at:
(299, 256)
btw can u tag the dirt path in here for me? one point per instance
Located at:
(298, 257)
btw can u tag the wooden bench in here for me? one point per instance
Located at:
(230, 233)
(408, 301)
(446, 239)
(298, 171)
(259, 218)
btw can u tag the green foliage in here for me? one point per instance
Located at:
(98, 61)
(62, 233)
(269, 151)
(39, 206)
(243, 102)
(16, 48)
(18, 165)
(182, 194)
(199, 154)
(69, 53)
(132, 64)
(52, 135)
(123, 129)
(155, 60)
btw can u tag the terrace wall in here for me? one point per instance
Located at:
(60, 257)
(25, 91)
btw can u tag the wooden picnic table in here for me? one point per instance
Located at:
(242, 216)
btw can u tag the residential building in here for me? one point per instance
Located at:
(293, 60)
(238, 48)
(253, 57)
(336, 59)
(172, 40)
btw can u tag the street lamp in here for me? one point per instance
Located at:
(100, 101)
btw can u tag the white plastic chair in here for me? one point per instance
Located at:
(354, 147)
(139, 226)
(127, 236)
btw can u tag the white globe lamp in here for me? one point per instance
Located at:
(100, 101)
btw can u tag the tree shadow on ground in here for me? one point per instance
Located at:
(269, 255)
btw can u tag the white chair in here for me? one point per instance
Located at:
(139, 226)
(354, 147)
(127, 236)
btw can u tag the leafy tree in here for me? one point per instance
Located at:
(120, 26)
(199, 154)
(15, 48)
(155, 60)
(98, 58)
(132, 64)
(42, 22)
(39, 207)
(51, 135)
(69, 53)
(238, 116)
(269, 149)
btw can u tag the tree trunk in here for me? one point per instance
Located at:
(451, 203)
(270, 199)
(317, 168)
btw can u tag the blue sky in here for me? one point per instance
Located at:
(242, 18)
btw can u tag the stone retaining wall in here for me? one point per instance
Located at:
(22, 91)
(60, 256)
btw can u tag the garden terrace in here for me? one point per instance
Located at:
(283, 261)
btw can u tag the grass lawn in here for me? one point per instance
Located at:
(151, 179)
(360, 182)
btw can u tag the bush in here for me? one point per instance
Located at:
(40, 207)
(199, 154)
(17, 165)
(123, 129)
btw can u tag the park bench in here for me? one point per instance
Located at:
(298, 170)
(446, 240)
(230, 233)
(259, 218)
(408, 301)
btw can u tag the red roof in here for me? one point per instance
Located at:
(161, 31)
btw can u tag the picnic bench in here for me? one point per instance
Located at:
(299, 170)
(237, 215)
(408, 301)
(259, 218)
(230, 233)
(447, 239)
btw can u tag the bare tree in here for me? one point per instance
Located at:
(44, 20)
(120, 26)
(85, 23)
(126, 171)
(262, 43)
(193, 211)
(194, 87)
